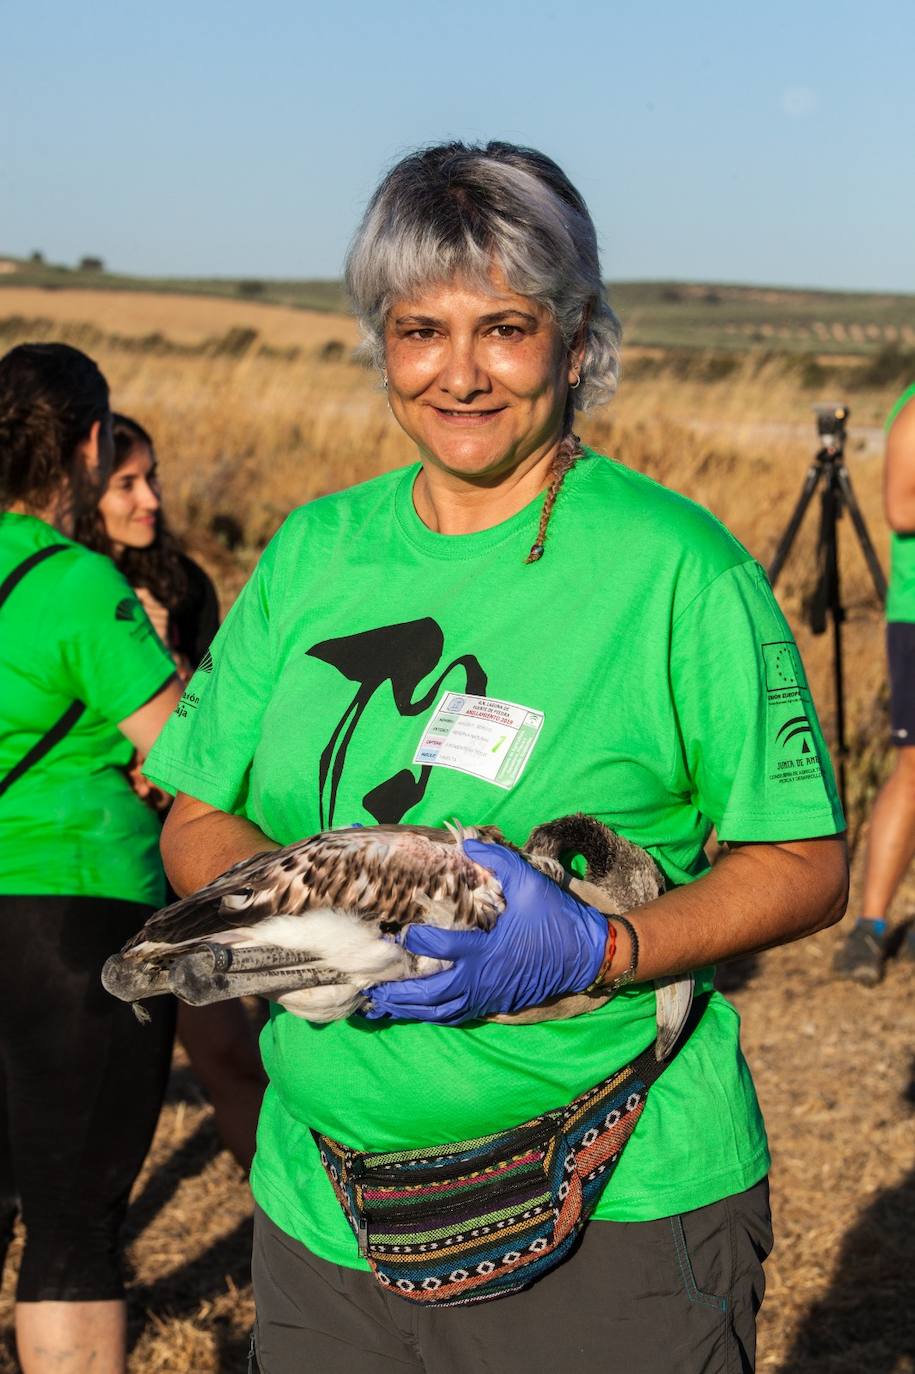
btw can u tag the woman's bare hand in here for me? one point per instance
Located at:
(157, 613)
(147, 791)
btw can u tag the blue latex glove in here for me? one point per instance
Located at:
(545, 944)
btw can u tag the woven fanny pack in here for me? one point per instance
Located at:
(476, 1220)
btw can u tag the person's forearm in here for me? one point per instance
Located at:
(755, 897)
(199, 843)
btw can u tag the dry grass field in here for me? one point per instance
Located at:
(185, 319)
(251, 434)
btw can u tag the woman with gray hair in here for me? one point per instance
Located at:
(513, 628)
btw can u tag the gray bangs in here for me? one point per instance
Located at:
(455, 211)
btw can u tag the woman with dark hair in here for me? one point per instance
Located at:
(511, 629)
(84, 684)
(129, 526)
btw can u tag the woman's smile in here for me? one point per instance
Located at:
(467, 417)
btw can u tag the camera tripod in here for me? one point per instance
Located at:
(825, 601)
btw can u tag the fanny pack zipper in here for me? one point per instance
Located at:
(406, 1175)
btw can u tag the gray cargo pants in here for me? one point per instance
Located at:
(676, 1296)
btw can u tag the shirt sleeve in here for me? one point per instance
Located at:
(208, 743)
(754, 750)
(112, 658)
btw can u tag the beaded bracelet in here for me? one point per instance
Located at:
(598, 985)
(628, 974)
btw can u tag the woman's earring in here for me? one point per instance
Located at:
(384, 379)
(577, 383)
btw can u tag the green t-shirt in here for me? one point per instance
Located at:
(900, 601)
(73, 629)
(641, 671)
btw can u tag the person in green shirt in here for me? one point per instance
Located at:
(84, 683)
(512, 629)
(891, 835)
(130, 527)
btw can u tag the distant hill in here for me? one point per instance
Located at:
(309, 295)
(720, 316)
(662, 314)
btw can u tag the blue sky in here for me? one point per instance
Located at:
(713, 140)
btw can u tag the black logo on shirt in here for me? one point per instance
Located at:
(130, 612)
(797, 725)
(206, 663)
(398, 658)
(128, 609)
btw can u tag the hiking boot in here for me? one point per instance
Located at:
(860, 957)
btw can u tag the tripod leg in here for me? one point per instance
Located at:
(870, 554)
(794, 524)
(829, 537)
(817, 602)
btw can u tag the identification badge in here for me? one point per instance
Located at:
(481, 736)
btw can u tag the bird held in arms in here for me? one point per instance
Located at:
(314, 924)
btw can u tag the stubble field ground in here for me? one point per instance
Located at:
(249, 434)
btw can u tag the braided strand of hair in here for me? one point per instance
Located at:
(567, 455)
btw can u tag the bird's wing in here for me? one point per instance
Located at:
(389, 874)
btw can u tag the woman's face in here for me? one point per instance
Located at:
(131, 501)
(477, 378)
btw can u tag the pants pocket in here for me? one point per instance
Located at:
(715, 1273)
(720, 1251)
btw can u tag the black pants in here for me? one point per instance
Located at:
(900, 652)
(675, 1296)
(81, 1084)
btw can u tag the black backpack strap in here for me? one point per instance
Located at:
(41, 747)
(13, 579)
(73, 711)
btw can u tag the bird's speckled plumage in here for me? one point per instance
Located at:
(311, 924)
(385, 874)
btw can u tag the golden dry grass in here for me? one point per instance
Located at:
(186, 319)
(252, 437)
